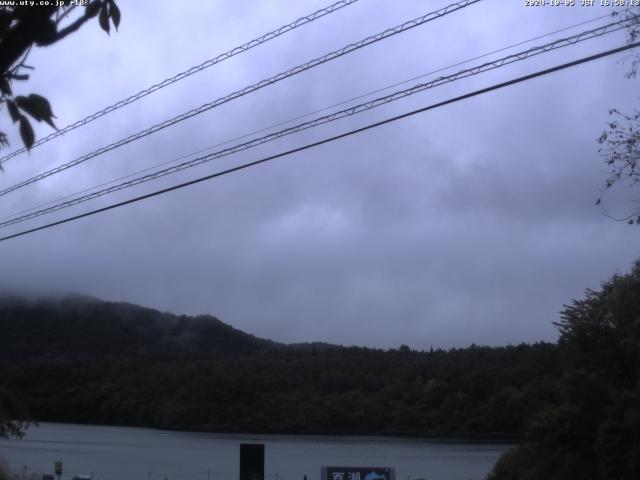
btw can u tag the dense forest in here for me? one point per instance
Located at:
(590, 426)
(574, 406)
(83, 360)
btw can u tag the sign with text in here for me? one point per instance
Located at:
(358, 473)
(58, 466)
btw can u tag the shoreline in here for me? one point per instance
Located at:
(309, 437)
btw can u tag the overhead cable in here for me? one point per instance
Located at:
(252, 88)
(329, 139)
(485, 67)
(299, 117)
(187, 73)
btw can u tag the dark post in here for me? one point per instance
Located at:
(58, 469)
(251, 461)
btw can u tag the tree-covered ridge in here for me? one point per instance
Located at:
(81, 360)
(574, 406)
(590, 426)
(83, 326)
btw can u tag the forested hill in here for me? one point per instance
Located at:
(574, 406)
(87, 361)
(84, 326)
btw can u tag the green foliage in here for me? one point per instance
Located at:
(590, 428)
(4, 469)
(21, 28)
(109, 11)
(7, 474)
(82, 360)
(14, 415)
(620, 146)
(620, 142)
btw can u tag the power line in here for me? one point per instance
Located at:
(520, 56)
(187, 73)
(270, 127)
(331, 139)
(252, 88)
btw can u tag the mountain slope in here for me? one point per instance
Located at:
(83, 326)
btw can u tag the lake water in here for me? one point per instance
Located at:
(120, 453)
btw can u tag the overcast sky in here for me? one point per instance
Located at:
(472, 223)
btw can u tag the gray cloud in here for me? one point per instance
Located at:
(471, 223)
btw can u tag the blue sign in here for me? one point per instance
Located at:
(358, 473)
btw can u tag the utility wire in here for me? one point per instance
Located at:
(198, 68)
(252, 88)
(331, 139)
(526, 54)
(299, 117)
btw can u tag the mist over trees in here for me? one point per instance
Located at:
(574, 405)
(86, 361)
(23, 27)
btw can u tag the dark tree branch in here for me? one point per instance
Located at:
(89, 14)
(61, 16)
(23, 26)
(25, 33)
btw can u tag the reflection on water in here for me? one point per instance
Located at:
(120, 453)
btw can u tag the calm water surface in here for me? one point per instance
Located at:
(120, 453)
